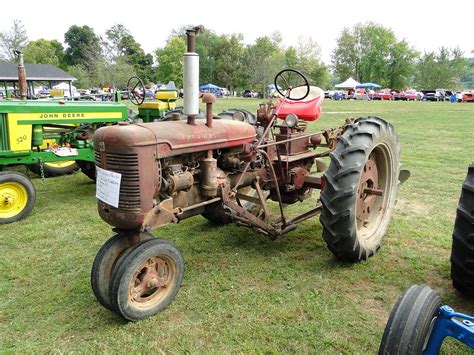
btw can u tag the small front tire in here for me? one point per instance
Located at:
(17, 197)
(147, 279)
(104, 263)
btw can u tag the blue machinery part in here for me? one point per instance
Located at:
(446, 325)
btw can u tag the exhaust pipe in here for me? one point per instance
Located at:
(21, 76)
(191, 76)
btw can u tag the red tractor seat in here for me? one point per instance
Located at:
(307, 109)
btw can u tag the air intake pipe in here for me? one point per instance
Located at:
(191, 76)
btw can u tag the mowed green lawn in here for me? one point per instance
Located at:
(241, 291)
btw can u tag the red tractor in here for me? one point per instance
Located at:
(153, 174)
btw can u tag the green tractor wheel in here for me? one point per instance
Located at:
(53, 169)
(17, 196)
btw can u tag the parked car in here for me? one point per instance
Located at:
(468, 96)
(361, 94)
(384, 94)
(412, 95)
(248, 93)
(429, 95)
(2, 95)
(399, 95)
(436, 95)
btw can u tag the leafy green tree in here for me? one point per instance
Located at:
(136, 56)
(84, 79)
(371, 53)
(258, 72)
(83, 47)
(308, 60)
(467, 77)
(13, 40)
(120, 47)
(207, 44)
(228, 60)
(43, 51)
(170, 60)
(440, 70)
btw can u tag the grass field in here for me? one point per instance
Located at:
(241, 291)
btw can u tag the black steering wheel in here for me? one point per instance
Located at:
(133, 83)
(289, 79)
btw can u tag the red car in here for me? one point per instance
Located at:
(411, 95)
(398, 95)
(468, 96)
(384, 94)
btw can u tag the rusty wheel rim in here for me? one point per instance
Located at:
(373, 192)
(152, 282)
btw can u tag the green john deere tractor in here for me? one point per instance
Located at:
(55, 137)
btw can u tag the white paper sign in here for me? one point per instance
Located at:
(65, 152)
(108, 186)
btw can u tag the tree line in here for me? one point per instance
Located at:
(368, 52)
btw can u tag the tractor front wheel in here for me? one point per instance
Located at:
(360, 189)
(462, 252)
(17, 196)
(146, 279)
(104, 263)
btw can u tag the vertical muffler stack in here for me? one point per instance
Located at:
(191, 76)
(21, 76)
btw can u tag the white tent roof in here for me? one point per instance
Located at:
(349, 83)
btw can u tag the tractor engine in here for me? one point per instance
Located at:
(168, 170)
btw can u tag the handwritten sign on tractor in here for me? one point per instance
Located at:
(108, 186)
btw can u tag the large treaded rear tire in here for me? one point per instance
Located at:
(410, 323)
(462, 252)
(369, 142)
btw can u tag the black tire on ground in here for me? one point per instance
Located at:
(411, 322)
(215, 213)
(88, 168)
(54, 169)
(462, 252)
(366, 158)
(146, 279)
(104, 263)
(17, 196)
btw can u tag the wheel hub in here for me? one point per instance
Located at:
(152, 276)
(368, 190)
(13, 199)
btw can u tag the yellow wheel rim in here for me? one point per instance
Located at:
(13, 199)
(61, 164)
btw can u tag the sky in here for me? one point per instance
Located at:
(426, 24)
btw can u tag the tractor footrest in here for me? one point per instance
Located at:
(296, 157)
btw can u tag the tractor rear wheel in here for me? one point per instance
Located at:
(360, 189)
(146, 279)
(462, 252)
(53, 169)
(17, 196)
(215, 213)
(411, 322)
(104, 263)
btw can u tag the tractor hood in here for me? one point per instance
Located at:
(174, 137)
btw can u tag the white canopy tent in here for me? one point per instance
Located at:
(67, 88)
(349, 83)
